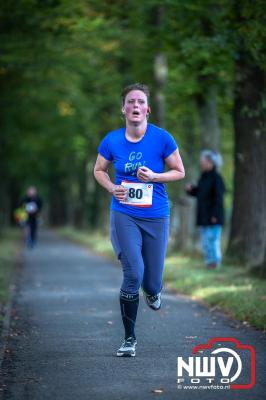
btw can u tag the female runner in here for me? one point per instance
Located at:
(139, 216)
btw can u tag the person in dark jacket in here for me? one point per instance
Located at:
(210, 210)
(33, 205)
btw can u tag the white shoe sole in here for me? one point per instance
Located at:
(126, 354)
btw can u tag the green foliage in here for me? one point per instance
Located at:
(57, 80)
(232, 289)
(9, 250)
(62, 67)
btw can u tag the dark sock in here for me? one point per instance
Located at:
(129, 307)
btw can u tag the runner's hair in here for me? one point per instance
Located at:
(135, 86)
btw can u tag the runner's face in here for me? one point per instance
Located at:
(136, 106)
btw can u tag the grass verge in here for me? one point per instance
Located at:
(230, 288)
(9, 250)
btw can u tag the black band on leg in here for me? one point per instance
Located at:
(129, 307)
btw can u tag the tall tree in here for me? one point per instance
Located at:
(248, 230)
(209, 124)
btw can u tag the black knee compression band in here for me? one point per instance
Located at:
(129, 308)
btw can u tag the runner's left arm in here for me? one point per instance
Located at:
(175, 173)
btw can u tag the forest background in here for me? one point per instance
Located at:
(63, 65)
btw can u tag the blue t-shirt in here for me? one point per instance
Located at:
(127, 157)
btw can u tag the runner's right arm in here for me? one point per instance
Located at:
(102, 177)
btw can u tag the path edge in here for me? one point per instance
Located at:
(9, 306)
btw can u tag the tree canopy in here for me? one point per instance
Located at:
(63, 65)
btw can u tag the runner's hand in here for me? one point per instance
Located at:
(119, 192)
(145, 174)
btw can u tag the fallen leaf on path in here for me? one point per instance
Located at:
(197, 315)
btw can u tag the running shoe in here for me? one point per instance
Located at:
(128, 348)
(154, 302)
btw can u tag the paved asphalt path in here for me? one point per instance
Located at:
(66, 327)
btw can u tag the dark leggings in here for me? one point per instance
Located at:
(32, 230)
(140, 245)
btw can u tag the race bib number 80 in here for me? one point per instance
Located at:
(139, 194)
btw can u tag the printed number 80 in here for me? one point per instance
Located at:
(138, 193)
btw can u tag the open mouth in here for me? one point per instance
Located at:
(136, 113)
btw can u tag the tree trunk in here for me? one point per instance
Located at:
(208, 118)
(160, 71)
(57, 206)
(248, 229)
